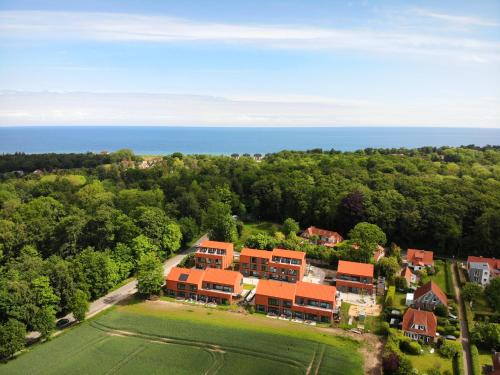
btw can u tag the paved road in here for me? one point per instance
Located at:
(131, 288)
(464, 329)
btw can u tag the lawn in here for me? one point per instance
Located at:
(248, 286)
(427, 361)
(399, 301)
(250, 229)
(485, 358)
(166, 337)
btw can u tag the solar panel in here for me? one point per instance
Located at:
(183, 277)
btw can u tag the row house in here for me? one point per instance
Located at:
(302, 300)
(429, 296)
(279, 264)
(214, 254)
(419, 325)
(419, 259)
(325, 237)
(482, 270)
(354, 277)
(209, 285)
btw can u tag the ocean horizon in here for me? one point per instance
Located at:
(157, 140)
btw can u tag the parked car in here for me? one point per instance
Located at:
(452, 316)
(450, 337)
(63, 323)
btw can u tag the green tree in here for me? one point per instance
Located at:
(149, 275)
(448, 349)
(172, 236)
(290, 227)
(471, 292)
(60, 275)
(388, 267)
(79, 305)
(12, 338)
(366, 233)
(492, 293)
(219, 223)
(401, 283)
(142, 245)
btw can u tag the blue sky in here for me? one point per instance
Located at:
(252, 63)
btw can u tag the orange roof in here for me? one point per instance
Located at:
(431, 285)
(214, 275)
(276, 289)
(407, 274)
(316, 291)
(289, 253)
(256, 253)
(355, 268)
(313, 231)
(493, 263)
(420, 257)
(194, 276)
(420, 317)
(217, 245)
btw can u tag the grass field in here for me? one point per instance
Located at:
(249, 229)
(171, 338)
(427, 361)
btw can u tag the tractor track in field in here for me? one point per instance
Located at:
(212, 348)
(126, 360)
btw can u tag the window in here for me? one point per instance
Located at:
(254, 260)
(263, 268)
(181, 286)
(287, 303)
(273, 302)
(300, 301)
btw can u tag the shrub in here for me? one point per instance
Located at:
(410, 347)
(448, 349)
(476, 366)
(441, 310)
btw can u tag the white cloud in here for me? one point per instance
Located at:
(50, 108)
(456, 19)
(116, 27)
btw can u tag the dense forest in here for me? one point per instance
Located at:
(83, 222)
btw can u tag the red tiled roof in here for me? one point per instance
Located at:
(420, 257)
(407, 274)
(214, 275)
(355, 268)
(194, 276)
(217, 245)
(492, 262)
(316, 291)
(276, 289)
(431, 285)
(313, 231)
(289, 253)
(420, 317)
(256, 253)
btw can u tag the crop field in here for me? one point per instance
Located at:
(149, 338)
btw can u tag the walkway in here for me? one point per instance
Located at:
(464, 329)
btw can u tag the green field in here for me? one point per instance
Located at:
(427, 361)
(170, 338)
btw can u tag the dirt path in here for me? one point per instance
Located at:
(464, 329)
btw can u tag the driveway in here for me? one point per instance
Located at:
(464, 329)
(126, 290)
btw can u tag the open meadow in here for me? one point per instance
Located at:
(172, 338)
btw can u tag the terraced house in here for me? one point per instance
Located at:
(302, 300)
(279, 264)
(209, 285)
(354, 277)
(214, 254)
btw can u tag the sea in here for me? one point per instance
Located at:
(156, 140)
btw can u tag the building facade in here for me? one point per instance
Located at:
(214, 254)
(301, 300)
(354, 277)
(482, 270)
(279, 264)
(209, 285)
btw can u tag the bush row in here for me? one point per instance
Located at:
(475, 364)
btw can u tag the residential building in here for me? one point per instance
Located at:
(324, 237)
(379, 253)
(410, 277)
(209, 285)
(214, 254)
(482, 270)
(279, 264)
(301, 300)
(354, 277)
(418, 259)
(429, 296)
(419, 325)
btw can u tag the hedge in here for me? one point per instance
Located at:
(450, 290)
(476, 365)
(458, 364)
(391, 294)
